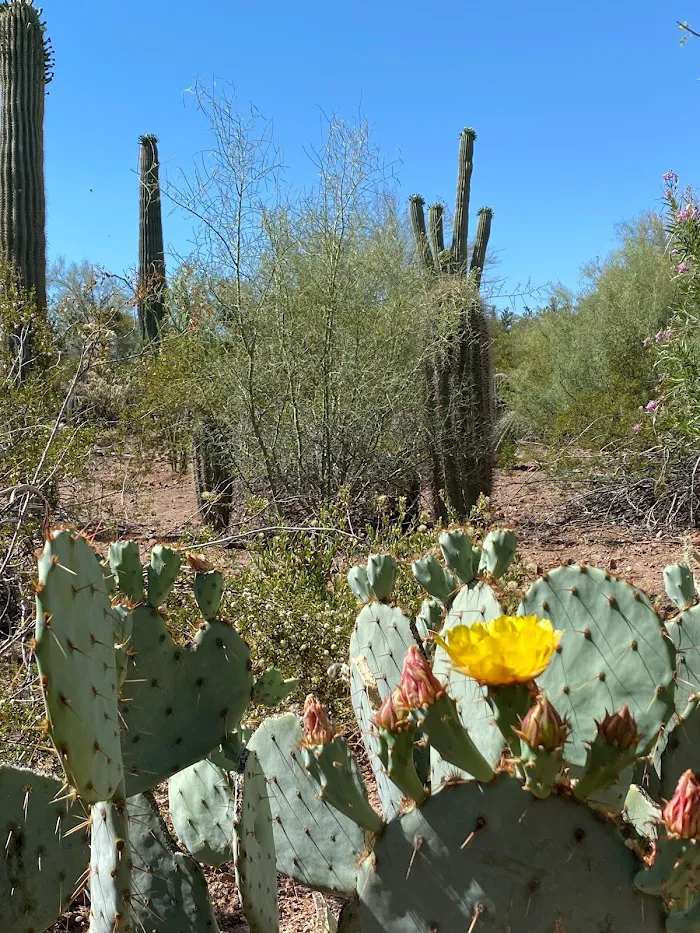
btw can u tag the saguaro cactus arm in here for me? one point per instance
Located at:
(460, 229)
(151, 283)
(420, 234)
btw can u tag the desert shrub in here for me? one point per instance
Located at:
(577, 367)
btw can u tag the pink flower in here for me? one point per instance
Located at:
(318, 729)
(392, 715)
(682, 267)
(671, 178)
(682, 812)
(646, 342)
(637, 428)
(651, 406)
(418, 684)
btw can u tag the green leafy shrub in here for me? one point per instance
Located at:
(577, 368)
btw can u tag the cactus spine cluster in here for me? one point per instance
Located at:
(460, 406)
(26, 63)
(151, 276)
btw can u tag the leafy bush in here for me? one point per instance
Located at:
(577, 368)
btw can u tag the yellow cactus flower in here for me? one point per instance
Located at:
(506, 650)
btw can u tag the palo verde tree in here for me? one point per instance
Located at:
(26, 63)
(151, 278)
(459, 411)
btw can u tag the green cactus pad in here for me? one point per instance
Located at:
(381, 575)
(315, 844)
(169, 891)
(475, 603)
(685, 635)
(334, 769)
(378, 645)
(359, 584)
(459, 554)
(440, 583)
(208, 590)
(125, 563)
(110, 868)
(430, 618)
(123, 622)
(614, 651)
(256, 870)
(178, 705)
(271, 687)
(679, 585)
(442, 725)
(75, 654)
(41, 865)
(495, 857)
(497, 552)
(162, 573)
(202, 804)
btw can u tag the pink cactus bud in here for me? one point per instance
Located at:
(318, 729)
(392, 714)
(619, 729)
(542, 726)
(418, 684)
(681, 814)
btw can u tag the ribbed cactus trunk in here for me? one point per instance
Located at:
(460, 408)
(25, 70)
(212, 481)
(151, 280)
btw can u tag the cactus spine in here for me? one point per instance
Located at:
(459, 377)
(151, 281)
(25, 69)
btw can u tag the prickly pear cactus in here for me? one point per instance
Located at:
(256, 866)
(110, 867)
(202, 806)
(614, 651)
(75, 654)
(169, 890)
(45, 852)
(514, 863)
(178, 705)
(315, 844)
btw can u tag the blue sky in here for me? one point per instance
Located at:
(579, 108)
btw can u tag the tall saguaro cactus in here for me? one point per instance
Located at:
(151, 280)
(459, 376)
(26, 62)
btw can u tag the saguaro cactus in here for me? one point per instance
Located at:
(459, 377)
(26, 64)
(151, 281)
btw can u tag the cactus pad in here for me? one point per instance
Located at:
(379, 642)
(271, 687)
(521, 870)
(178, 705)
(110, 868)
(40, 866)
(315, 844)
(169, 891)
(256, 870)
(614, 651)
(162, 573)
(75, 654)
(202, 807)
(125, 564)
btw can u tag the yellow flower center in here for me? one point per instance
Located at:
(506, 650)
